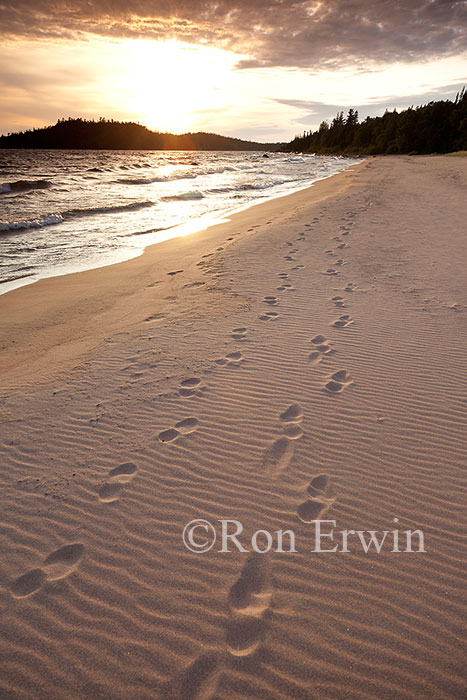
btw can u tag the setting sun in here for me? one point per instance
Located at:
(165, 83)
(232, 360)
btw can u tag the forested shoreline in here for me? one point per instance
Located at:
(438, 127)
(107, 134)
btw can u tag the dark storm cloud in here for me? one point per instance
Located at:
(287, 33)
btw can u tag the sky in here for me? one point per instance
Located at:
(255, 69)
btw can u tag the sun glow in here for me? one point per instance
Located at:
(166, 83)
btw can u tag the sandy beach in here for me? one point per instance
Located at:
(303, 361)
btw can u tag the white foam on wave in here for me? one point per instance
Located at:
(58, 218)
(113, 209)
(48, 220)
(151, 180)
(184, 196)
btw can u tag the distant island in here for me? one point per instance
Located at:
(438, 127)
(107, 134)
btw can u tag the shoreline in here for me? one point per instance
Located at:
(69, 314)
(194, 225)
(308, 364)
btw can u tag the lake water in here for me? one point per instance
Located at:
(66, 211)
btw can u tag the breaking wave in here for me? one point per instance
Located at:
(52, 219)
(23, 185)
(184, 197)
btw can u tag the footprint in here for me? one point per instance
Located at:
(311, 510)
(110, 492)
(283, 275)
(319, 486)
(183, 427)
(249, 599)
(62, 562)
(199, 682)
(190, 387)
(298, 267)
(293, 431)
(289, 258)
(168, 435)
(175, 272)
(292, 414)
(350, 287)
(245, 635)
(154, 317)
(330, 272)
(190, 285)
(271, 300)
(187, 425)
(340, 262)
(117, 477)
(315, 357)
(239, 333)
(27, 584)
(291, 418)
(57, 565)
(320, 499)
(234, 359)
(269, 316)
(277, 457)
(251, 593)
(338, 301)
(334, 387)
(338, 382)
(322, 348)
(343, 321)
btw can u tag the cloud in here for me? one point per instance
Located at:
(311, 113)
(310, 34)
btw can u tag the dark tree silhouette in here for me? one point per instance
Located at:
(109, 135)
(438, 127)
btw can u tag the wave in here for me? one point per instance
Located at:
(93, 211)
(48, 220)
(13, 278)
(52, 219)
(150, 180)
(185, 196)
(262, 186)
(22, 185)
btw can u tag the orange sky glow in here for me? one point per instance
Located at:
(209, 83)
